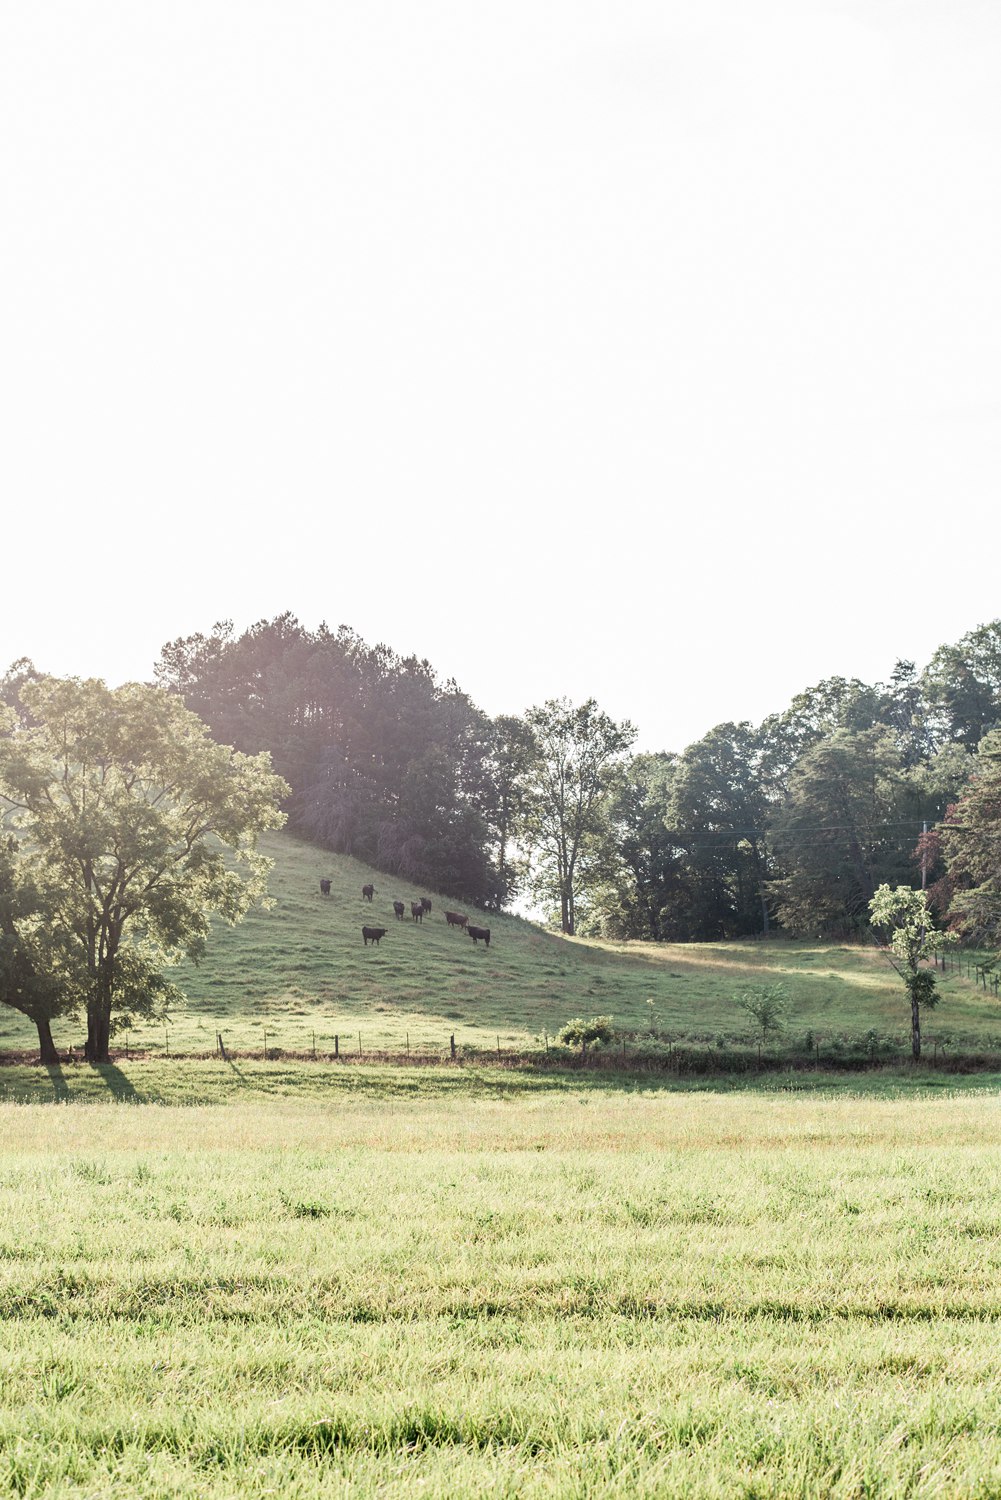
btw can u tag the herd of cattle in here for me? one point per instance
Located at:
(418, 911)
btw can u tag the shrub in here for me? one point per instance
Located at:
(582, 1033)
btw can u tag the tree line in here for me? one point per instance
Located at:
(795, 822)
(131, 814)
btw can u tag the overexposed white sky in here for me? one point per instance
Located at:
(649, 351)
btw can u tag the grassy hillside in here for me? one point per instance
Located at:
(301, 969)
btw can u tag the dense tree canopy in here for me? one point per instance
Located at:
(385, 762)
(578, 750)
(971, 838)
(962, 686)
(796, 820)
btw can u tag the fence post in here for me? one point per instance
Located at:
(498, 1049)
(408, 1043)
(337, 1046)
(166, 1042)
(265, 1044)
(314, 1044)
(451, 1043)
(359, 1044)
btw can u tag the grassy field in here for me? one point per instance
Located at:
(365, 1281)
(309, 1279)
(300, 971)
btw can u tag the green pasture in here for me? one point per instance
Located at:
(299, 973)
(469, 1283)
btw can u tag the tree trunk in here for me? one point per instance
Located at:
(47, 1053)
(565, 912)
(760, 870)
(764, 909)
(98, 1032)
(915, 1029)
(502, 880)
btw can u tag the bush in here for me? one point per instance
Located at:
(581, 1033)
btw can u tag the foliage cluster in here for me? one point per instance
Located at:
(582, 1034)
(797, 820)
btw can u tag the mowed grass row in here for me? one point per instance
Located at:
(644, 1293)
(299, 975)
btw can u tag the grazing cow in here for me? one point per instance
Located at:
(324, 887)
(368, 891)
(417, 911)
(479, 932)
(426, 902)
(455, 919)
(398, 908)
(372, 934)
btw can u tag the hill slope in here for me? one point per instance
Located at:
(301, 971)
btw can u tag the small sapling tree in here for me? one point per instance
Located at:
(766, 1004)
(902, 925)
(582, 1033)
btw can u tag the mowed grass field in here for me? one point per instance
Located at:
(299, 973)
(382, 1281)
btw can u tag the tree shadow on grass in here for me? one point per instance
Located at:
(887, 1082)
(120, 1087)
(60, 1088)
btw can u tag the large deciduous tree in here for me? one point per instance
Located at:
(971, 841)
(719, 808)
(849, 820)
(132, 826)
(385, 761)
(506, 770)
(962, 684)
(578, 750)
(37, 974)
(643, 891)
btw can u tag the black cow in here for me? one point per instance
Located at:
(372, 934)
(455, 919)
(417, 911)
(398, 908)
(368, 891)
(324, 887)
(426, 902)
(479, 932)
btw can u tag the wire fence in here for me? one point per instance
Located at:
(629, 1051)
